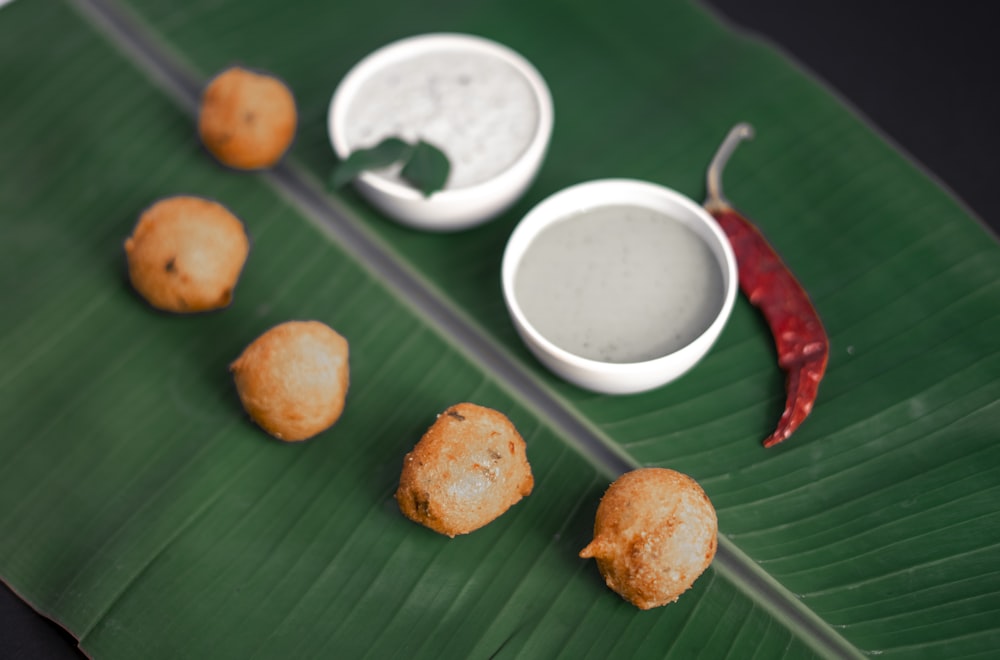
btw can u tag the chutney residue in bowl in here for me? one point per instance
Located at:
(620, 284)
(479, 109)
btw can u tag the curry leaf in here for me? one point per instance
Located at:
(389, 151)
(424, 166)
(427, 168)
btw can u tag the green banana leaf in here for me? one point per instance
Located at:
(141, 510)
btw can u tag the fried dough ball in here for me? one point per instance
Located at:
(247, 120)
(469, 468)
(293, 379)
(655, 532)
(186, 254)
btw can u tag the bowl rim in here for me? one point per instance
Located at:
(405, 47)
(550, 211)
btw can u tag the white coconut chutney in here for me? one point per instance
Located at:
(619, 284)
(477, 108)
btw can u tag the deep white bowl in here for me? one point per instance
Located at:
(456, 206)
(619, 377)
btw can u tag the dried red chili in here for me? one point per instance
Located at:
(801, 341)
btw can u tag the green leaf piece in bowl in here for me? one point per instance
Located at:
(385, 153)
(427, 168)
(424, 166)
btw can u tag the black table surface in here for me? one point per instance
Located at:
(923, 74)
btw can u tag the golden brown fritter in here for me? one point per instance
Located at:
(469, 468)
(655, 532)
(293, 379)
(247, 120)
(186, 254)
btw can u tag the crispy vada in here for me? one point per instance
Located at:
(655, 532)
(293, 379)
(186, 254)
(468, 468)
(246, 119)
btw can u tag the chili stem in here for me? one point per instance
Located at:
(715, 200)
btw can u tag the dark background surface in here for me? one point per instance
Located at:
(926, 75)
(923, 74)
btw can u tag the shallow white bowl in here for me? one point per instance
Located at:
(617, 377)
(452, 208)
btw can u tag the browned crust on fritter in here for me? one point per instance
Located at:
(469, 468)
(293, 379)
(247, 120)
(186, 254)
(655, 532)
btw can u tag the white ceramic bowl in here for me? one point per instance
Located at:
(619, 377)
(420, 112)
